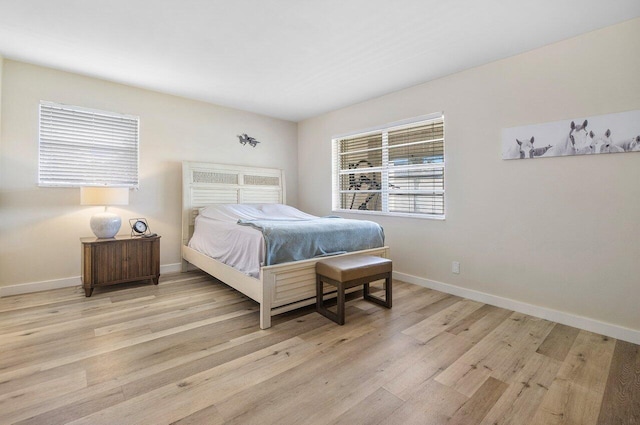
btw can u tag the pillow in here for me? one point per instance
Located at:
(232, 212)
(284, 212)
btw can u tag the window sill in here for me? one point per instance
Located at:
(388, 214)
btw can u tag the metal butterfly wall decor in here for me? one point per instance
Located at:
(244, 139)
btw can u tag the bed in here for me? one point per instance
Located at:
(277, 288)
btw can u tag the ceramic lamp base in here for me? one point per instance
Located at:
(105, 225)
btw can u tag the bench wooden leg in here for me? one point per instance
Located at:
(387, 289)
(319, 293)
(340, 304)
(320, 308)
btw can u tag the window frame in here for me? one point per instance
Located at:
(385, 168)
(42, 181)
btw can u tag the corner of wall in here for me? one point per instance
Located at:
(1, 65)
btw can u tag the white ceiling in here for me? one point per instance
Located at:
(290, 59)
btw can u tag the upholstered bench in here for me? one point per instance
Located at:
(345, 272)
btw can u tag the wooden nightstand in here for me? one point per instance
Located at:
(120, 259)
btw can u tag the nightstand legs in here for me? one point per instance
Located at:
(88, 291)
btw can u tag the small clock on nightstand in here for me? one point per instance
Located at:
(140, 227)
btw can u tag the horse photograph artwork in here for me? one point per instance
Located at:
(611, 133)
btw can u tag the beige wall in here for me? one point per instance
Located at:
(40, 226)
(563, 233)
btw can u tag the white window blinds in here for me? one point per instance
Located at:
(84, 147)
(395, 170)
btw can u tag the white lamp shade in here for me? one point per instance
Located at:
(104, 196)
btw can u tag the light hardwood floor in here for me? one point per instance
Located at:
(189, 351)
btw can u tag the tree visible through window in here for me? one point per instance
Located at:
(85, 147)
(394, 170)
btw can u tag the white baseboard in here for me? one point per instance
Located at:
(170, 268)
(45, 285)
(603, 328)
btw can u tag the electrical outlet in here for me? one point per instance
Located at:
(455, 267)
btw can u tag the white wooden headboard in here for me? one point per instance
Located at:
(205, 184)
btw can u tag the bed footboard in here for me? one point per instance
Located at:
(281, 287)
(292, 285)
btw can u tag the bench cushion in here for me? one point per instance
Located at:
(351, 267)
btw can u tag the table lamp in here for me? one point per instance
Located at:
(104, 224)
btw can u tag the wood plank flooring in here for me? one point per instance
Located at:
(189, 351)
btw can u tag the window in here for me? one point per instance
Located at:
(396, 170)
(84, 147)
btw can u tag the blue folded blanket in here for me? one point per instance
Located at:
(294, 240)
